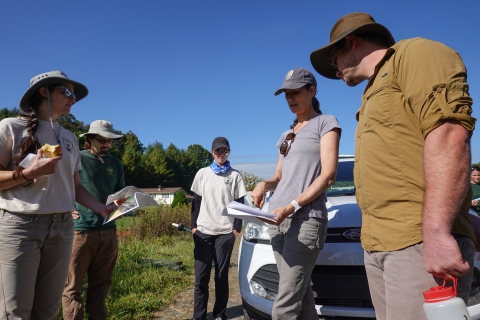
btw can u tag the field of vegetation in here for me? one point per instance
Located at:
(155, 262)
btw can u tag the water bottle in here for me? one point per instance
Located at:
(442, 303)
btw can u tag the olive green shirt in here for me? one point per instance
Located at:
(101, 179)
(418, 85)
(475, 195)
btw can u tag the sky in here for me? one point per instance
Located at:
(187, 71)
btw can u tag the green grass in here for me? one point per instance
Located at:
(140, 289)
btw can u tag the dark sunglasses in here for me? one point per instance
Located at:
(68, 93)
(103, 141)
(221, 152)
(284, 146)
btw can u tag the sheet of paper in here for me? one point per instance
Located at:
(247, 213)
(135, 200)
(124, 193)
(28, 160)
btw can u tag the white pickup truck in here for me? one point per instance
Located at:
(339, 281)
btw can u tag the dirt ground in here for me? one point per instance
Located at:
(182, 307)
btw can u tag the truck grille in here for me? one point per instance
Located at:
(339, 286)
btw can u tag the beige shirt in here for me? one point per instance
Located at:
(217, 191)
(418, 85)
(54, 193)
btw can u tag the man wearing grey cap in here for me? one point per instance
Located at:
(95, 245)
(412, 146)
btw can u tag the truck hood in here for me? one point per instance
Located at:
(343, 212)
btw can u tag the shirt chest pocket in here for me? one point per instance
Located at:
(378, 101)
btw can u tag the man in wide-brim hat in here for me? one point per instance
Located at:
(95, 244)
(412, 146)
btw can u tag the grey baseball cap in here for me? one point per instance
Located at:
(102, 128)
(48, 78)
(297, 78)
(220, 142)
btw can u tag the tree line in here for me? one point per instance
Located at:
(150, 166)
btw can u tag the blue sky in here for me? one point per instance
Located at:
(186, 71)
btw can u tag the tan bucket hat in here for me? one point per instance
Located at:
(46, 79)
(352, 23)
(102, 128)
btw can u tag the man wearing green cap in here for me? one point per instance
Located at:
(412, 146)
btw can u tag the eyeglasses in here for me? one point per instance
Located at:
(284, 146)
(330, 62)
(334, 51)
(221, 152)
(68, 93)
(103, 141)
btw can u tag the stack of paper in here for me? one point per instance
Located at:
(247, 213)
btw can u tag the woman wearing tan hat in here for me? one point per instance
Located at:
(306, 167)
(37, 197)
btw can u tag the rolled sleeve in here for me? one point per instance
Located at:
(436, 85)
(448, 102)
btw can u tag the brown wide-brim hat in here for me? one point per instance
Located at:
(352, 23)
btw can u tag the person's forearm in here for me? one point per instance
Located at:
(447, 163)
(84, 197)
(270, 184)
(10, 179)
(196, 204)
(319, 186)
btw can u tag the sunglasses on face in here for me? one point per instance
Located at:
(68, 93)
(104, 141)
(221, 152)
(284, 145)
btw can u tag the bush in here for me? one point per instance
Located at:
(179, 199)
(157, 221)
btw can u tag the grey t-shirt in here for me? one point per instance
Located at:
(301, 166)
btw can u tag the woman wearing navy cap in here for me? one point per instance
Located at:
(306, 167)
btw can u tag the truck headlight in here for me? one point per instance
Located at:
(260, 291)
(254, 231)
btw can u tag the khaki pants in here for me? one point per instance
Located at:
(94, 254)
(296, 244)
(34, 256)
(397, 280)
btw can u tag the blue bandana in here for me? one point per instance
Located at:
(217, 169)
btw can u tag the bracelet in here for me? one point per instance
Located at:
(296, 205)
(15, 174)
(21, 173)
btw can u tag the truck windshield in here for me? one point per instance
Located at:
(344, 183)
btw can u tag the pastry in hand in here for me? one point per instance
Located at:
(50, 151)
